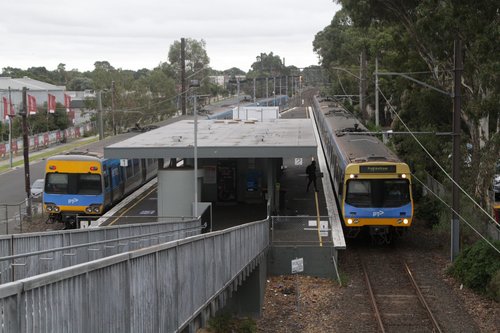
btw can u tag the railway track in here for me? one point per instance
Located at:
(397, 300)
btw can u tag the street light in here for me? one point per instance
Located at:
(195, 84)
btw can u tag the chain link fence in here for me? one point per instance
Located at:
(15, 218)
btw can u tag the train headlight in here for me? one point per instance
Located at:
(351, 176)
(356, 221)
(406, 221)
(403, 175)
(93, 209)
(49, 208)
(57, 209)
(349, 221)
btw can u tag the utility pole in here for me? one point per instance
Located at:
(455, 174)
(99, 108)
(238, 94)
(274, 90)
(113, 106)
(11, 116)
(183, 76)
(26, 146)
(362, 86)
(376, 93)
(195, 84)
(254, 97)
(267, 91)
(286, 85)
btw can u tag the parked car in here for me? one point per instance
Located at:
(37, 188)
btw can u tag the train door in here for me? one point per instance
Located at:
(144, 170)
(109, 183)
(106, 177)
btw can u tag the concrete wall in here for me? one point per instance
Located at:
(176, 191)
(315, 260)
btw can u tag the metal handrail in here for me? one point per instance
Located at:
(58, 249)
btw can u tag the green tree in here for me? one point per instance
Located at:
(417, 37)
(196, 59)
(80, 83)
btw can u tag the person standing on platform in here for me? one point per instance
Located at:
(311, 175)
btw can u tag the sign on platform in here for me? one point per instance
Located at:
(297, 265)
(124, 162)
(323, 227)
(298, 160)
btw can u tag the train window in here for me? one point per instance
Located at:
(358, 193)
(135, 162)
(129, 171)
(106, 180)
(396, 192)
(378, 192)
(56, 183)
(73, 183)
(89, 184)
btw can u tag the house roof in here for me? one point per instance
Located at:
(31, 84)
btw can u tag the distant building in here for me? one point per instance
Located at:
(218, 80)
(37, 89)
(223, 80)
(12, 88)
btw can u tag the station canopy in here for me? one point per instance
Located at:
(285, 138)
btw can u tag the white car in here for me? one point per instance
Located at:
(37, 188)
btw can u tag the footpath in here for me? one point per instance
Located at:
(36, 155)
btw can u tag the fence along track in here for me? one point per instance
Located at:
(422, 301)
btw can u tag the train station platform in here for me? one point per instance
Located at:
(305, 211)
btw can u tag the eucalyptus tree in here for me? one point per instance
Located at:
(417, 37)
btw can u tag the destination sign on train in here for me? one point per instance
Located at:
(377, 168)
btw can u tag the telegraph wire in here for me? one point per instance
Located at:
(391, 108)
(460, 216)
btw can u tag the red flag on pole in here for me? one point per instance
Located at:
(31, 104)
(67, 102)
(5, 108)
(51, 103)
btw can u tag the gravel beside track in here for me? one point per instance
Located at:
(324, 306)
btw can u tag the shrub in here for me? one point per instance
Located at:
(428, 209)
(493, 287)
(478, 268)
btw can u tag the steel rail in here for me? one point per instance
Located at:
(422, 299)
(374, 302)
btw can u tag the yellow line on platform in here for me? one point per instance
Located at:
(318, 218)
(135, 204)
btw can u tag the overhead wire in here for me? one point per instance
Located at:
(460, 216)
(392, 109)
(164, 100)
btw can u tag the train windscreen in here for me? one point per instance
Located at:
(364, 193)
(73, 183)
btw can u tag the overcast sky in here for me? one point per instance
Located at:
(138, 34)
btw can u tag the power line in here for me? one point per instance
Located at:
(462, 218)
(391, 108)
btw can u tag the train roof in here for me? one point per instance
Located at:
(353, 142)
(76, 156)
